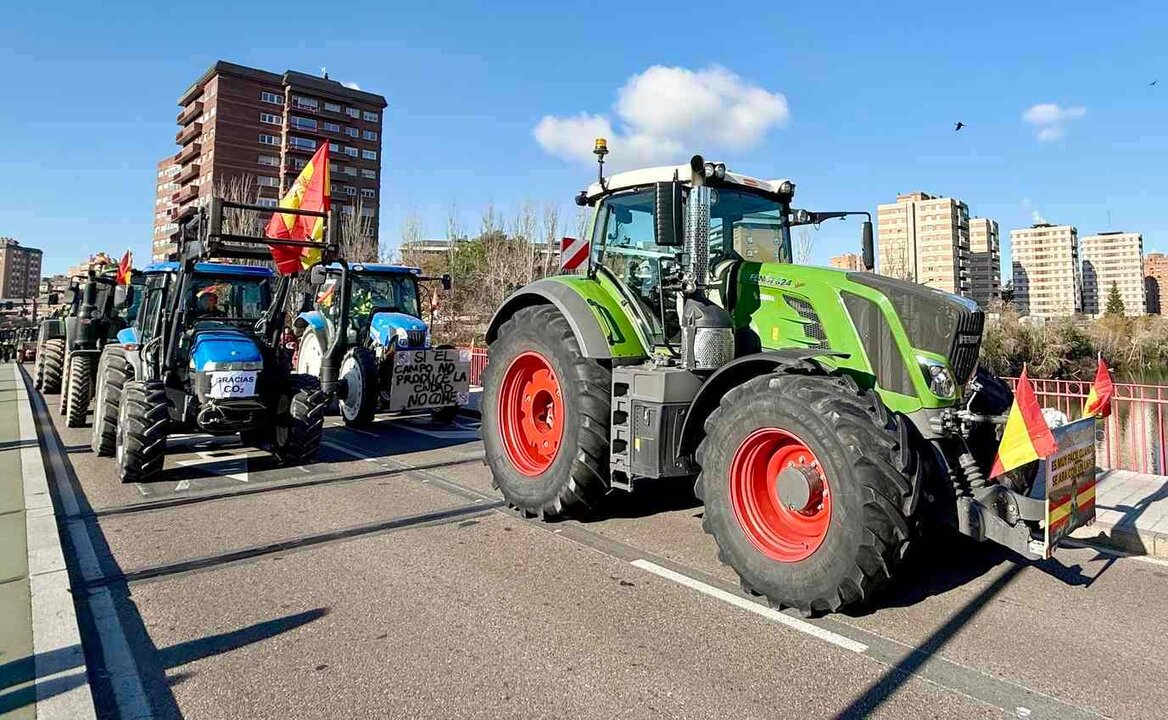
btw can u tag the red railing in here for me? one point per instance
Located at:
(1133, 437)
(478, 362)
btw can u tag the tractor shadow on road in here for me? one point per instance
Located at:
(653, 498)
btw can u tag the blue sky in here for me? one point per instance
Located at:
(870, 97)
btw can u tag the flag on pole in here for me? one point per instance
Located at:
(310, 191)
(126, 268)
(1027, 436)
(1099, 399)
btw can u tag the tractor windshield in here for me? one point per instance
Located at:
(394, 293)
(227, 298)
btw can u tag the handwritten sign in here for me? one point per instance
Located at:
(424, 379)
(1070, 482)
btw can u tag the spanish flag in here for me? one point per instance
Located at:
(309, 192)
(1027, 436)
(1099, 399)
(126, 269)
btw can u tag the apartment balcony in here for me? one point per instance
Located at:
(187, 194)
(188, 153)
(188, 133)
(301, 149)
(190, 112)
(190, 172)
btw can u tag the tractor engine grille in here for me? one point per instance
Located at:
(966, 343)
(813, 328)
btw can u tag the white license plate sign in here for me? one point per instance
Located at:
(240, 383)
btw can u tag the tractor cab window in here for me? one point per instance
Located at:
(227, 298)
(154, 295)
(625, 243)
(747, 227)
(397, 292)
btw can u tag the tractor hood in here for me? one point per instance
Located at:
(225, 349)
(394, 329)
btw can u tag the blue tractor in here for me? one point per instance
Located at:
(206, 354)
(387, 361)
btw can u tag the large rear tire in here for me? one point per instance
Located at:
(808, 483)
(112, 374)
(38, 371)
(143, 424)
(359, 370)
(299, 421)
(80, 390)
(53, 366)
(546, 411)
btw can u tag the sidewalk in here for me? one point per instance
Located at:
(1131, 513)
(42, 666)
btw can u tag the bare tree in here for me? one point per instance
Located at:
(804, 241)
(551, 232)
(241, 188)
(356, 234)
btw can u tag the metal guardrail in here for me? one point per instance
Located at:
(1133, 437)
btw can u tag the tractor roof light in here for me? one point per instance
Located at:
(709, 169)
(601, 147)
(787, 188)
(720, 171)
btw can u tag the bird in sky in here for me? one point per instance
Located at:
(1153, 83)
(958, 125)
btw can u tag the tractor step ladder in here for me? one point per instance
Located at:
(620, 431)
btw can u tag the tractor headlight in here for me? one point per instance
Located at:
(939, 377)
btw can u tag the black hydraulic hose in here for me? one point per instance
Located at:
(330, 367)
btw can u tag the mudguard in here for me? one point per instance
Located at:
(214, 349)
(731, 375)
(600, 325)
(383, 326)
(312, 319)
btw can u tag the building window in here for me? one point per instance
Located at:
(369, 116)
(369, 135)
(271, 97)
(333, 167)
(332, 107)
(267, 202)
(305, 103)
(367, 193)
(303, 123)
(298, 164)
(269, 139)
(369, 154)
(334, 147)
(267, 181)
(351, 151)
(332, 127)
(353, 113)
(302, 143)
(269, 118)
(350, 190)
(367, 212)
(270, 160)
(368, 174)
(350, 170)
(351, 132)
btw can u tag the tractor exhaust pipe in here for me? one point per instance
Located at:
(707, 332)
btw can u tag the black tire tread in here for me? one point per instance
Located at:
(53, 366)
(143, 430)
(307, 421)
(113, 376)
(79, 390)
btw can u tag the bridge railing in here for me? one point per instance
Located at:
(1133, 437)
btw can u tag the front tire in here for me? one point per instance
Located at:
(808, 482)
(359, 370)
(112, 374)
(143, 424)
(79, 390)
(53, 366)
(299, 421)
(546, 413)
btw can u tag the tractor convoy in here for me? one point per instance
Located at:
(824, 416)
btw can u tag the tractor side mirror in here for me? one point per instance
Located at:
(316, 276)
(71, 296)
(667, 211)
(447, 283)
(868, 248)
(123, 296)
(303, 302)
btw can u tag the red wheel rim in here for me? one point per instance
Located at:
(781, 532)
(531, 416)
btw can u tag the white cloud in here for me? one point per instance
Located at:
(1050, 120)
(351, 85)
(1037, 217)
(665, 113)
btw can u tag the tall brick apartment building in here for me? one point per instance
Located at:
(237, 122)
(20, 269)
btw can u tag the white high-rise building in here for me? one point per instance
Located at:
(985, 261)
(925, 239)
(1113, 258)
(1046, 270)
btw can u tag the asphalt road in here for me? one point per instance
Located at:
(386, 580)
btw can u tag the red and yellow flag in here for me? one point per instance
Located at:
(126, 269)
(1027, 436)
(1099, 399)
(309, 192)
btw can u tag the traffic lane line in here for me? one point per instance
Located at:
(445, 603)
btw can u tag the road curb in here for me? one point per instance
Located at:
(62, 679)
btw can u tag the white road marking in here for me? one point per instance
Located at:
(233, 464)
(744, 604)
(445, 434)
(341, 447)
(1079, 544)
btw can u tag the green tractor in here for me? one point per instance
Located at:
(823, 414)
